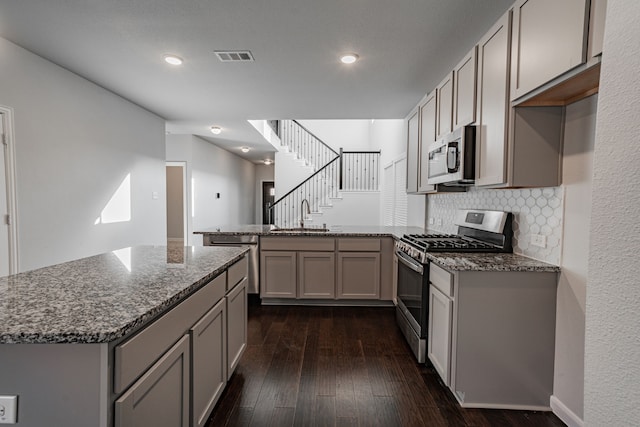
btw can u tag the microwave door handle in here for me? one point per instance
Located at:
(452, 158)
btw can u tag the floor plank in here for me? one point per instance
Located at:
(343, 366)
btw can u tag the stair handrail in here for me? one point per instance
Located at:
(313, 135)
(303, 182)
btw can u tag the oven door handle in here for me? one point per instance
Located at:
(409, 262)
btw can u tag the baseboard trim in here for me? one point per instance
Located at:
(564, 413)
(327, 302)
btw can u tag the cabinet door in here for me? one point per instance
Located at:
(439, 336)
(550, 38)
(160, 398)
(277, 274)
(596, 27)
(317, 275)
(359, 275)
(412, 152)
(464, 93)
(427, 136)
(208, 362)
(493, 103)
(236, 325)
(444, 107)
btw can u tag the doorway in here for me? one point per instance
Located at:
(268, 197)
(176, 203)
(8, 228)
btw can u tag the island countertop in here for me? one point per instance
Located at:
(334, 231)
(104, 297)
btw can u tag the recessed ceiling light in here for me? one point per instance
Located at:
(173, 60)
(215, 130)
(349, 58)
(245, 149)
(268, 161)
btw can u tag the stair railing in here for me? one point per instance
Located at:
(359, 170)
(318, 189)
(305, 144)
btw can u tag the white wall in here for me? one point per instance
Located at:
(390, 137)
(212, 170)
(263, 173)
(75, 144)
(577, 180)
(351, 135)
(612, 343)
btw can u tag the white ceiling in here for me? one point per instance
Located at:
(405, 48)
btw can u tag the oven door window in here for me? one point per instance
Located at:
(413, 293)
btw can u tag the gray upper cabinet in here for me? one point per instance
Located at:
(413, 123)
(464, 90)
(596, 27)
(444, 107)
(493, 103)
(549, 39)
(427, 136)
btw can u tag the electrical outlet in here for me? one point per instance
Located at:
(8, 409)
(539, 240)
(431, 221)
(439, 221)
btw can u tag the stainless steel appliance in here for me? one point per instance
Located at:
(478, 231)
(452, 159)
(241, 240)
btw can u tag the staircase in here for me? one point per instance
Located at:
(335, 175)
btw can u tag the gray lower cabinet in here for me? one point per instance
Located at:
(209, 360)
(439, 336)
(316, 275)
(359, 275)
(278, 274)
(181, 388)
(236, 301)
(161, 396)
(493, 336)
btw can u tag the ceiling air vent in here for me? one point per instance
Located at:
(234, 55)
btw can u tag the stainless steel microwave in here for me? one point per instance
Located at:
(452, 159)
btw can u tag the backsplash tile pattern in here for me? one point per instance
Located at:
(536, 211)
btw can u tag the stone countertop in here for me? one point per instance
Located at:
(104, 297)
(334, 231)
(489, 262)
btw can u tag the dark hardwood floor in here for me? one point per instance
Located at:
(342, 366)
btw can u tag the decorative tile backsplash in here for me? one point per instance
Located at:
(536, 211)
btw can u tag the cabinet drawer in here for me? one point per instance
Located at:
(137, 354)
(441, 279)
(359, 245)
(237, 272)
(298, 243)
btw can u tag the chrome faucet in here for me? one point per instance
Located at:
(302, 212)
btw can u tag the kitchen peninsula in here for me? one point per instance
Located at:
(122, 338)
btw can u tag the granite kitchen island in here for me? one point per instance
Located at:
(119, 338)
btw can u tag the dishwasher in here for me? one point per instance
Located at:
(247, 241)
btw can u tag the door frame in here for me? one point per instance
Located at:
(12, 197)
(185, 199)
(262, 185)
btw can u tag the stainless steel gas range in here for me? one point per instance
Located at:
(478, 231)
